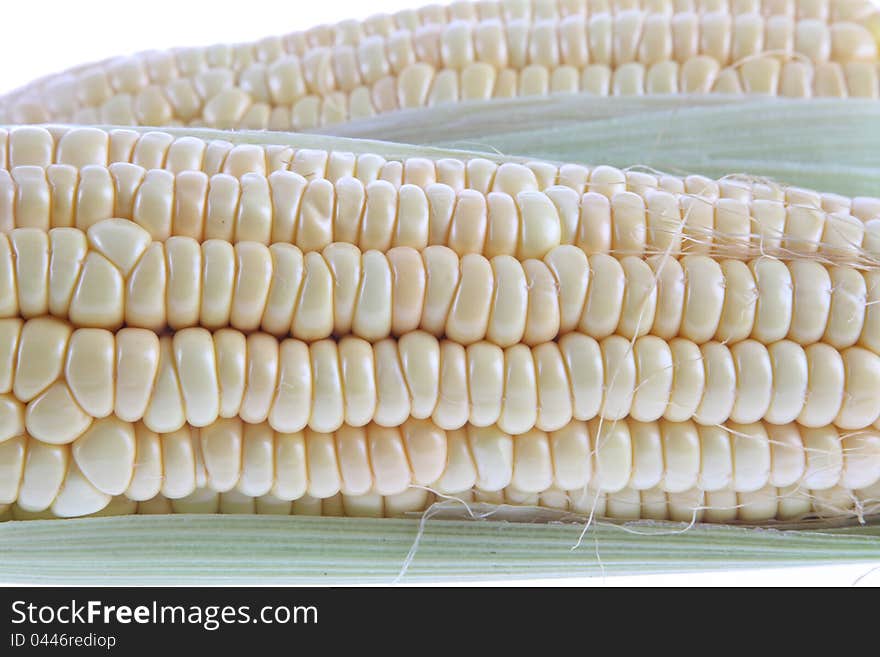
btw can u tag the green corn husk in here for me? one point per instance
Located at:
(824, 144)
(154, 550)
(827, 145)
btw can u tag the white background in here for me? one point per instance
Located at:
(42, 37)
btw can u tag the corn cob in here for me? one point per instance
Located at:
(473, 206)
(743, 389)
(332, 75)
(60, 379)
(644, 381)
(114, 274)
(723, 506)
(626, 460)
(102, 156)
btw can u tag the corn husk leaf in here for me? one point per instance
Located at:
(190, 549)
(825, 144)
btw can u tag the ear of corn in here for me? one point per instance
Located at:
(113, 273)
(630, 339)
(352, 71)
(198, 376)
(312, 197)
(662, 470)
(211, 324)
